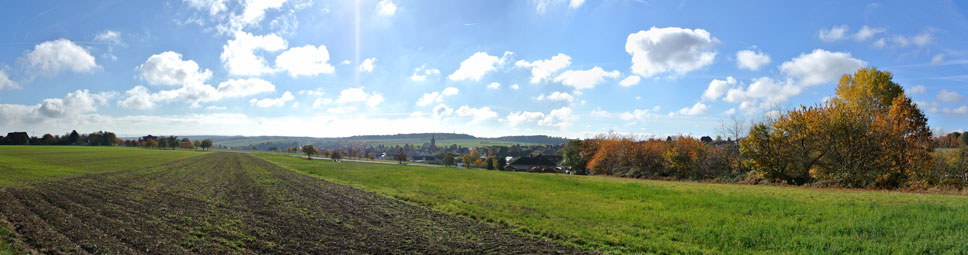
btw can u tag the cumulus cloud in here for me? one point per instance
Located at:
(575, 3)
(436, 97)
(557, 96)
(517, 118)
(948, 96)
(386, 8)
(515, 87)
(367, 65)
(477, 115)
(273, 102)
(867, 32)
(543, 69)
(255, 11)
(5, 82)
(494, 85)
(71, 106)
(670, 49)
(477, 65)
(696, 109)
(751, 60)
(214, 6)
(244, 87)
(636, 115)
(307, 60)
(168, 68)
(632, 80)
(717, 88)
(918, 89)
(109, 36)
(52, 57)
(358, 95)
(762, 94)
(820, 66)
(421, 73)
(835, 33)
(441, 111)
(585, 79)
(239, 54)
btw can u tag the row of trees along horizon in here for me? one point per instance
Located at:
(103, 138)
(871, 135)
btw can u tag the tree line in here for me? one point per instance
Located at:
(99, 138)
(871, 135)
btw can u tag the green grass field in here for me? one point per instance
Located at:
(642, 216)
(20, 165)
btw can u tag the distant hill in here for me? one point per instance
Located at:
(443, 139)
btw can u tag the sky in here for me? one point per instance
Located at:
(572, 68)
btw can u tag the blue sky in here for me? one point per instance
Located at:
(488, 68)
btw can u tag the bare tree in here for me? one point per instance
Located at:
(734, 128)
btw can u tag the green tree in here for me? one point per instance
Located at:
(964, 139)
(572, 158)
(162, 142)
(401, 156)
(309, 150)
(336, 155)
(74, 138)
(449, 159)
(206, 144)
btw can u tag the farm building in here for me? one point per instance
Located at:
(538, 163)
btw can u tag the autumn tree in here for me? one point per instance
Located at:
(449, 159)
(206, 144)
(196, 144)
(309, 150)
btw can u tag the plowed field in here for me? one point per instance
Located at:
(234, 203)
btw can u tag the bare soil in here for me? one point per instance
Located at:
(234, 203)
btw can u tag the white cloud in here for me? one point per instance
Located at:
(255, 10)
(598, 112)
(575, 3)
(238, 55)
(670, 49)
(763, 93)
(421, 73)
(450, 91)
(214, 6)
(244, 87)
(316, 92)
(358, 95)
(751, 60)
(71, 106)
(937, 59)
(557, 96)
(561, 118)
(543, 69)
(632, 80)
(367, 65)
(436, 97)
(833, 34)
(109, 36)
(386, 8)
(168, 68)
(585, 79)
(916, 89)
(494, 85)
(477, 65)
(919, 40)
(696, 109)
(477, 115)
(441, 111)
(717, 88)
(5, 82)
(273, 102)
(307, 60)
(880, 43)
(820, 66)
(867, 32)
(515, 87)
(636, 115)
(52, 57)
(517, 118)
(948, 96)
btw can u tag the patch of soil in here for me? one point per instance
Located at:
(235, 203)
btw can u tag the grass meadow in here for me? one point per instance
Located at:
(619, 215)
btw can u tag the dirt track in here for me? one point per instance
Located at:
(235, 203)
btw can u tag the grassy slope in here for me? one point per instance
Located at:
(626, 215)
(22, 164)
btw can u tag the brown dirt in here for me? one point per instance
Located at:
(234, 203)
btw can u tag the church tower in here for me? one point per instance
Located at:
(433, 141)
